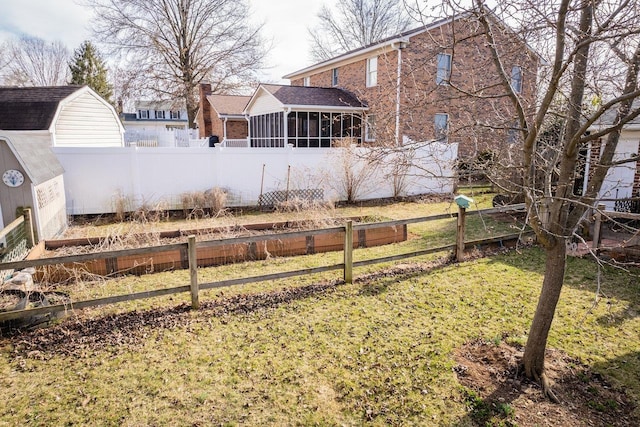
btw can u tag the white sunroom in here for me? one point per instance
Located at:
(304, 117)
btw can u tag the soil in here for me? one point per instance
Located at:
(499, 395)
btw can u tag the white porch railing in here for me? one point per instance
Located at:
(236, 143)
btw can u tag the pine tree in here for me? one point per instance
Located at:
(87, 68)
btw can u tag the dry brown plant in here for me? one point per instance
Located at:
(199, 204)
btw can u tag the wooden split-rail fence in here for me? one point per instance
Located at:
(191, 247)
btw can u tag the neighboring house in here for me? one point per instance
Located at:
(415, 85)
(68, 116)
(623, 180)
(32, 177)
(154, 116)
(222, 116)
(159, 124)
(278, 115)
(304, 117)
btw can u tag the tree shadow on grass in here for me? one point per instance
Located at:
(582, 274)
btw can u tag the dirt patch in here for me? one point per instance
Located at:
(499, 395)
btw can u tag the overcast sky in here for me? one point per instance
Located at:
(286, 23)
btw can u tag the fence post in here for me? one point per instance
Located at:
(460, 234)
(193, 271)
(28, 224)
(597, 227)
(348, 252)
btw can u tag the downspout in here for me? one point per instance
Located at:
(224, 129)
(246, 117)
(587, 169)
(400, 45)
(286, 128)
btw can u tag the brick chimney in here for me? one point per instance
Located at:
(205, 110)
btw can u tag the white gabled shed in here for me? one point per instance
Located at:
(72, 116)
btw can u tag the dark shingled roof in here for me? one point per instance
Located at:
(31, 108)
(315, 96)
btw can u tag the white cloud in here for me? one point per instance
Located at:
(62, 20)
(286, 23)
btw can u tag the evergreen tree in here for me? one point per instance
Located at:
(87, 68)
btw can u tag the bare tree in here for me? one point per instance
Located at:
(128, 86)
(30, 61)
(591, 52)
(176, 44)
(356, 23)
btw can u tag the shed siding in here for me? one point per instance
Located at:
(86, 121)
(264, 104)
(51, 209)
(11, 198)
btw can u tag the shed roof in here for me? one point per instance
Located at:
(35, 156)
(228, 105)
(31, 108)
(314, 96)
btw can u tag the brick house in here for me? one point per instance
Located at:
(277, 115)
(221, 116)
(434, 82)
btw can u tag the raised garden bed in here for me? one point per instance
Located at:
(176, 258)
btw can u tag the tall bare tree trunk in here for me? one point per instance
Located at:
(551, 286)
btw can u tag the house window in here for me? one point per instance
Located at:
(372, 71)
(160, 114)
(143, 114)
(516, 79)
(175, 115)
(334, 77)
(306, 81)
(370, 128)
(444, 69)
(441, 126)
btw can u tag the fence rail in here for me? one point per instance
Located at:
(16, 240)
(601, 215)
(191, 247)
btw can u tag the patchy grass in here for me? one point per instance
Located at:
(420, 236)
(399, 210)
(296, 352)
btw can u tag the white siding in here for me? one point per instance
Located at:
(87, 121)
(265, 103)
(618, 184)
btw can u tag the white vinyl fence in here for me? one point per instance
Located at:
(101, 180)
